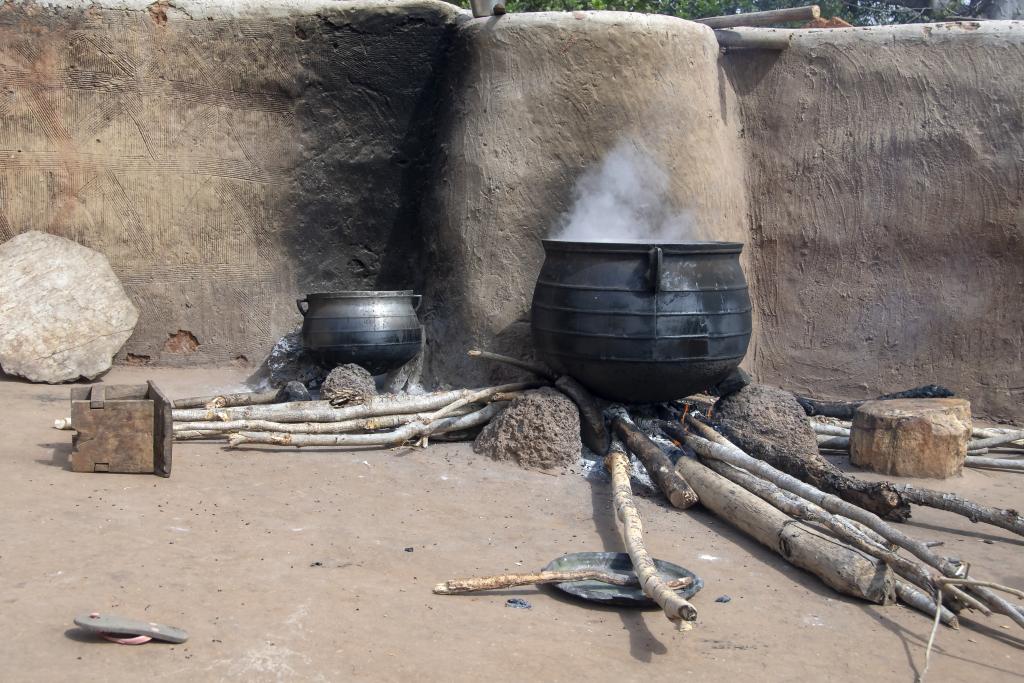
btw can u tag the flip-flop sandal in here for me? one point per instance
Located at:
(128, 631)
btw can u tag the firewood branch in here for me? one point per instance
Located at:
(486, 583)
(678, 610)
(414, 430)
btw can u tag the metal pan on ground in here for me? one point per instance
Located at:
(617, 563)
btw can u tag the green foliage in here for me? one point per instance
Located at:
(857, 12)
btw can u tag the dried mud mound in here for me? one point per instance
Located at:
(761, 419)
(348, 384)
(539, 430)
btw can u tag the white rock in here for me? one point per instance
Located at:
(63, 312)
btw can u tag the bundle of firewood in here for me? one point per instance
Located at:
(383, 421)
(850, 548)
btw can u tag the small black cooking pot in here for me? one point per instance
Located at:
(640, 322)
(377, 330)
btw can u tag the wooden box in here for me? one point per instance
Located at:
(121, 428)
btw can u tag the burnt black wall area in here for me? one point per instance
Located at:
(365, 117)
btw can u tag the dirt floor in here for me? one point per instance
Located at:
(317, 565)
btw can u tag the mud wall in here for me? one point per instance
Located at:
(225, 157)
(886, 180)
(534, 100)
(228, 157)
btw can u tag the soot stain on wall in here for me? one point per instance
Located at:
(366, 124)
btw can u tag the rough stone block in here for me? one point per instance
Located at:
(912, 437)
(63, 312)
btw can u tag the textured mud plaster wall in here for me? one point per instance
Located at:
(532, 101)
(887, 210)
(226, 157)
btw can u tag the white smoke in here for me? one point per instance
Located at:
(625, 199)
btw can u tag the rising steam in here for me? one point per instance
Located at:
(625, 199)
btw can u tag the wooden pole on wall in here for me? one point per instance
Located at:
(767, 18)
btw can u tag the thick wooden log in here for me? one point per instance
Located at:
(843, 528)
(323, 411)
(678, 610)
(766, 18)
(911, 437)
(487, 583)
(837, 565)
(664, 474)
(414, 430)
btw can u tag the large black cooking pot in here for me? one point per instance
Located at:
(638, 322)
(377, 330)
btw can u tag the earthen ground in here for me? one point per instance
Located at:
(291, 565)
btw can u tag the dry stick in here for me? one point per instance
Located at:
(931, 637)
(935, 625)
(592, 428)
(245, 398)
(997, 463)
(1009, 451)
(720, 448)
(1008, 519)
(536, 368)
(986, 432)
(676, 608)
(323, 411)
(671, 483)
(199, 434)
(365, 424)
(924, 603)
(997, 440)
(829, 430)
(835, 443)
(482, 396)
(486, 583)
(398, 437)
(797, 507)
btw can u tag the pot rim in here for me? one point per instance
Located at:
(644, 246)
(361, 294)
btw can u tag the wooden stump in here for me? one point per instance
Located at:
(912, 437)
